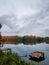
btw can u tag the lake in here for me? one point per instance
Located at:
(23, 50)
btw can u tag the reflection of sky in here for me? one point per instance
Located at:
(25, 48)
(24, 17)
(22, 50)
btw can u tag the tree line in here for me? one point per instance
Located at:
(25, 39)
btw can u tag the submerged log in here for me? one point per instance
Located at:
(37, 56)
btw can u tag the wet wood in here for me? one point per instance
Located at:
(37, 55)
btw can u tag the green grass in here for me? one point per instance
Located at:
(12, 59)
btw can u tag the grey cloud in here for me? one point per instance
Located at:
(28, 23)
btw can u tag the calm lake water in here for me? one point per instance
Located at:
(23, 50)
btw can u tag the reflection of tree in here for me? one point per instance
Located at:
(31, 39)
(24, 39)
(10, 39)
(46, 39)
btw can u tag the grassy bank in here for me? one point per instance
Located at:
(12, 59)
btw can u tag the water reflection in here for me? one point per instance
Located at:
(23, 50)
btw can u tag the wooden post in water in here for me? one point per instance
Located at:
(0, 37)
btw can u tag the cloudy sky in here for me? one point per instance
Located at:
(24, 17)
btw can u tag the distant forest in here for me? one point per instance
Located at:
(23, 39)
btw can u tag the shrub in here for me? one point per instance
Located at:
(10, 58)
